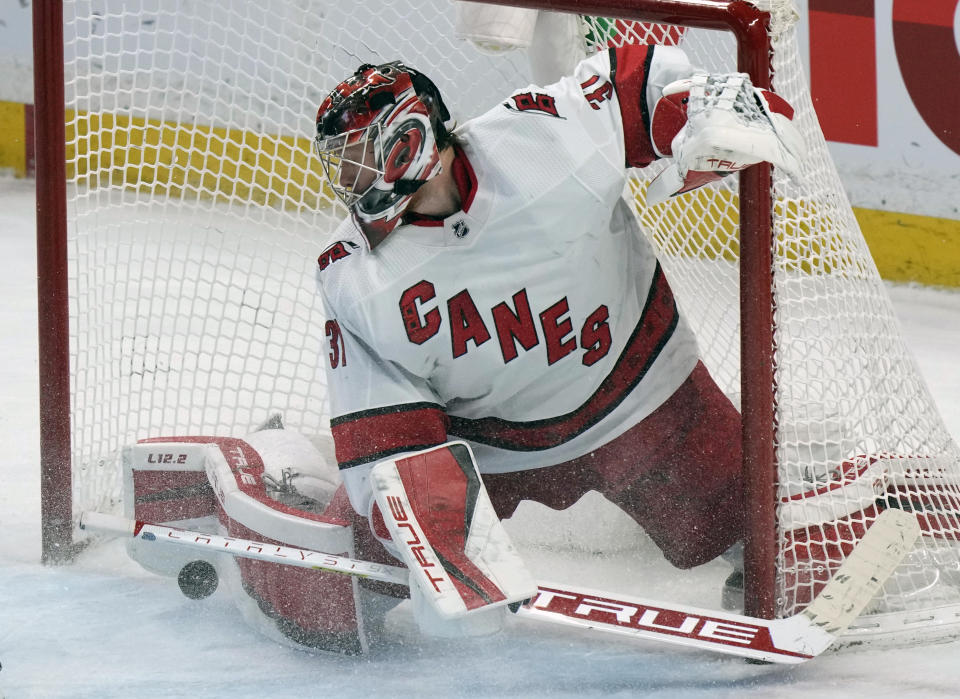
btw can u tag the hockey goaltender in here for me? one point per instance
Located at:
(499, 330)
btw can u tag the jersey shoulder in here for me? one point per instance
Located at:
(344, 250)
(564, 107)
(349, 276)
(341, 264)
(556, 140)
(335, 252)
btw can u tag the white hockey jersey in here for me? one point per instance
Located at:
(536, 323)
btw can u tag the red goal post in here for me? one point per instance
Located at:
(52, 289)
(774, 274)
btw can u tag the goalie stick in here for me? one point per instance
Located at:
(794, 639)
(244, 548)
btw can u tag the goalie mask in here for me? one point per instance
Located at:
(379, 136)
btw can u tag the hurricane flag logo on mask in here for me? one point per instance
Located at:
(379, 136)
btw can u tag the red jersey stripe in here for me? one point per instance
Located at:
(630, 67)
(377, 434)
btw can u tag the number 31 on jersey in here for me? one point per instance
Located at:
(338, 351)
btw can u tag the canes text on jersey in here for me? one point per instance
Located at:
(513, 324)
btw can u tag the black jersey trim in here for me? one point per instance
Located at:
(644, 107)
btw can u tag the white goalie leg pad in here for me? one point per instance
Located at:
(164, 481)
(445, 529)
(482, 622)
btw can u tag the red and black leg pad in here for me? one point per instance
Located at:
(439, 517)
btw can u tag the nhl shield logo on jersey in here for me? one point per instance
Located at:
(460, 228)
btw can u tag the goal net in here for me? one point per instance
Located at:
(197, 211)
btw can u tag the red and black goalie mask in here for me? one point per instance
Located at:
(377, 142)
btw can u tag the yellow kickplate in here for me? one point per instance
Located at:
(13, 151)
(912, 248)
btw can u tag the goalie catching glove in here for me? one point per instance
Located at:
(712, 125)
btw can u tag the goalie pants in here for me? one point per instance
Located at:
(677, 473)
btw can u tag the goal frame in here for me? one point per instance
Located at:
(745, 22)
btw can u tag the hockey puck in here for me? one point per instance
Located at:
(197, 579)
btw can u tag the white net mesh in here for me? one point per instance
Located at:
(197, 212)
(847, 388)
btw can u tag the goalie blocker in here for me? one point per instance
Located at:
(275, 486)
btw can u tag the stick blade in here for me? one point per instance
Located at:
(864, 571)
